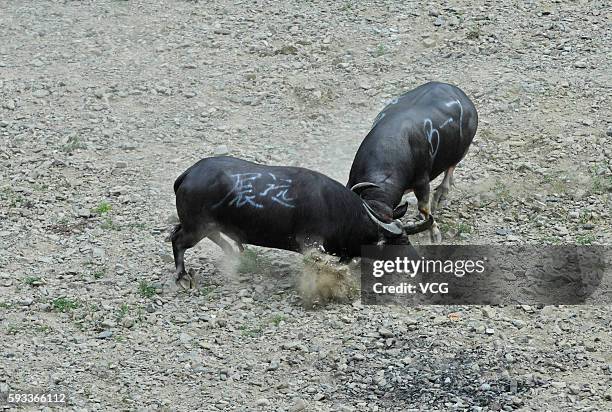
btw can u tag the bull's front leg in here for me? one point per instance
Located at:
(422, 193)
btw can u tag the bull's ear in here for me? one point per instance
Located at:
(400, 211)
(359, 187)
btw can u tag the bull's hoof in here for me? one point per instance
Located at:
(186, 281)
(435, 235)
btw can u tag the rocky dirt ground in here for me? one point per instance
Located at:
(104, 103)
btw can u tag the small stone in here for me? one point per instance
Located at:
(485, 387)
(580, 64)
(189, 94)
(609, 131)
(166, 257)
(107, 323)
(262, 402)
(288, 49)
(298, 406)
(274, 365)
(558, 385)
(488, 312)
(26, 301)
(98, 253)
(121, 165)
(83, 213)
(40, 93)
(127, 322)
(502, 232)
(386, 333)
(429, 42)
(433, 13)
(358, 357)
(588, 226)
(439, 21)
(9, 104)
(489, 331)
(221, 150)
(185, 338)
(104, 334)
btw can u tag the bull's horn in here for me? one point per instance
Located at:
(395, 227)
(359, 187)
(414, 228)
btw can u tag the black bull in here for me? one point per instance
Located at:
(415, 138)
(279, 207)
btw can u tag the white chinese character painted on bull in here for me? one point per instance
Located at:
(278, 191)
(244, 192)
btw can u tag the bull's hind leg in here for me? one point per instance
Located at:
(184, 238)
(229, 248)
(441, 192)
(422, 191)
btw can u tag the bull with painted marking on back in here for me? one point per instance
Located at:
(280, 207)
(415, 138)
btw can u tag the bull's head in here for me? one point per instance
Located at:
(394, 227)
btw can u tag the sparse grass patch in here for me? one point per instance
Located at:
(380, 50)
(502, 191)
(73, 144)
(463, 228)
(252, 262)
(458, 227)
(601, 182)
(13, 198)
(348, 6)
(146, 289)
(33, 280)
(64, 304)
(277, 319)
(550, 240)
(99, 273)
(103, 207)
(250, 332)
(474, 33)
(5, 305)
(206, 291)
(585, 217)
(124, 309)
(585, 239)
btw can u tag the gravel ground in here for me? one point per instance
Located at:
(104, 103)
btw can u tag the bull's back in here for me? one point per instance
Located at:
(435, 120)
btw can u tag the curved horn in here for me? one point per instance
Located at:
(415, 228)
(395, 227)
(359, 187)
